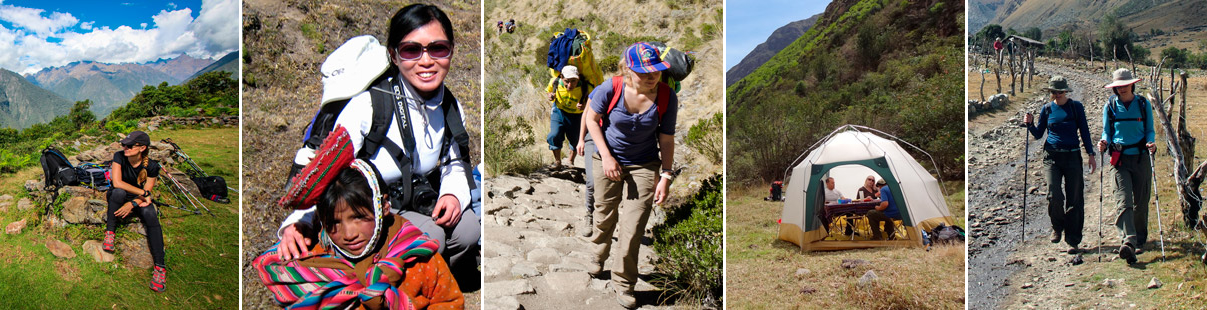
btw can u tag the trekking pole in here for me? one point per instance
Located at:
(191, 198)
(1026, 160)
(1101, 242)
(1157, 200)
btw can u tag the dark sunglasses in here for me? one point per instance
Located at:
(1059, 92)
(131, 145)
(411, 50)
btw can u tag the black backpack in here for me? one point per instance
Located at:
(94, 176)
(57, 171)
(212, 188)
(384, 112)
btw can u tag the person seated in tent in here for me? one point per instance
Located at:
(885, 213)
(832, 194)
(868, 190)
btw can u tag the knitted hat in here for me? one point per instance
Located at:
(333, 155)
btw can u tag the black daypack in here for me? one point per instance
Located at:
(94, 176)
(212, 187)
(385, 110)
(57, 171)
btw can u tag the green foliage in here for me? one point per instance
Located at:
(1034, 33)
(706, 137)
(690, 245)
(611, 63)
(310, 31)
(987, 35)
(506, 137)
(1175, 57)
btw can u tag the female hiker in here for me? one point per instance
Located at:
(1063, 119)
(1127, 125)
(366, 256)
(134, 175)
(424, 169)
(633, 128)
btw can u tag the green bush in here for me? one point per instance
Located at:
(506, 137)
(690, 245)
(706, 137)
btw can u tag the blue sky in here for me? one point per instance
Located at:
(749, 23)
(39, 34)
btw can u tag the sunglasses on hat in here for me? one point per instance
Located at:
(411, 50)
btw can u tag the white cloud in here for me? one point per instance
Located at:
(32, 20)
(49, 41)
(171, 5)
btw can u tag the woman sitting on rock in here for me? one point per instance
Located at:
(366, 256)
(134, 174)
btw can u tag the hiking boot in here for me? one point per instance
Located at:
(1074, 250)
(1126, 252)
(587, 227)
(626, 299)
(1055, 236)
(107, 245)
(1139, 250)
(596, 270)
(159, 278)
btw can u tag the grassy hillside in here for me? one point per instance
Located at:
(201, 251)
(891, 65)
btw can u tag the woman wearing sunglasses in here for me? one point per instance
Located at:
(1063, 119)
(134, 176)
(420, 46)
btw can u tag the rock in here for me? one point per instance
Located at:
(60, 249)
(507, 288)
(1028, 285)
(868, 278)
(80, 210)
(138, 228)
(852, 263)
(545, 256)
(808, 290)
(135, 253)
(1109, 283)
(567, 281)
(524, 270)
(6, 197)
(998, 101)
(801, 273)
(24, 204)
(33, 185)
(80, 191)
(15, 227)
(567, 267)
(1154, 283)
(502, 303)
(509, 186)
(97, 250)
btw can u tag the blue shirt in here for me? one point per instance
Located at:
(891, 211)
(1130, 126)
(633, 138)
(1063, 123)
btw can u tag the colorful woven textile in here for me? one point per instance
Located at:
(325, 281)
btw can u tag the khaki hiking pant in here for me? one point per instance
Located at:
(622, 206)
(1133, 187)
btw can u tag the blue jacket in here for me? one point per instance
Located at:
(891, 211)
(1133, 123)
(1063, 123)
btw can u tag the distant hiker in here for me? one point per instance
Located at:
(500, 25)
(777, 191)
(569, 96)
(510, 25)
(366, 256)
(832, 194)
(422, 151)
(885, 213)
(1127, 125)
(134, 175)
(632, 123)
(998, 45)
(1062, 119)
(868, 190)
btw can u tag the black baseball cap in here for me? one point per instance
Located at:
(137, 137)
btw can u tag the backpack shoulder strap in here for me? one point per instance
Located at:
(617, 92)
(454, 126)
(664, 99)
(383, 115)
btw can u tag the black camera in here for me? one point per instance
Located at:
(423, 195)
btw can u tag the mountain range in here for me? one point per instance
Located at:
(778, 39)
(23, 104)
(1050, 16)
(111, 86)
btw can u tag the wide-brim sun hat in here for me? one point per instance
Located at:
(1058, 83)
(352, 67)
(1122, 77)
(644, 58)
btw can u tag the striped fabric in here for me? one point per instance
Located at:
(325, 281)
(644, 58)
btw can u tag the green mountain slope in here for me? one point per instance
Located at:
(891, 65)
(227, 63)
(780, 38)
(23, 104)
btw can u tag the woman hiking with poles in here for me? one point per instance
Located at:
(1128, 133)
(1063, 119)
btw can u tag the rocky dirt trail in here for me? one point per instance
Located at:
(1006, 272)
(534, 257)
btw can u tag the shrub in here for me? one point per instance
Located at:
(690, 246)
(706, 137)
(506, 137)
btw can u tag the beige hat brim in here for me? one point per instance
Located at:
(1121, 83)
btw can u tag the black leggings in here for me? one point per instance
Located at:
(150, 220)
